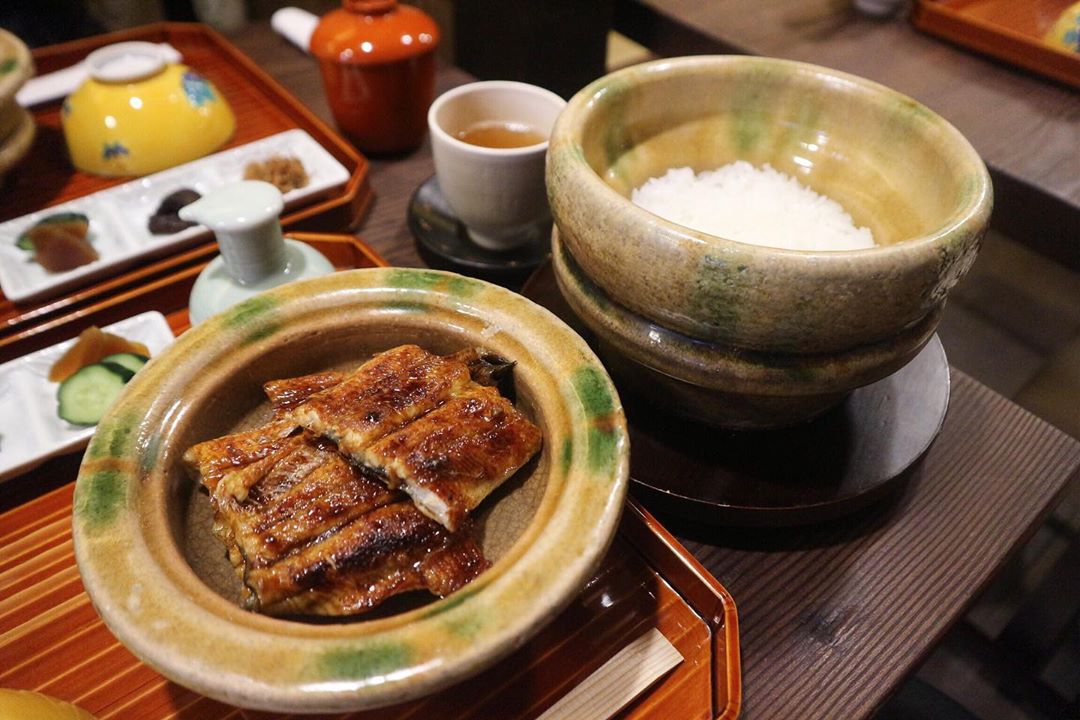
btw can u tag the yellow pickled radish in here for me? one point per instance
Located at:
(93, 345)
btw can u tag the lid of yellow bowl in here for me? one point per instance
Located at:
(125, 62)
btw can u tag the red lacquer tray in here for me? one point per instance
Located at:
(1011, 30)
(262, 108)
(52, 640)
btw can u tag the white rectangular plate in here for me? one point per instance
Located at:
(119, 215)
(30, 430)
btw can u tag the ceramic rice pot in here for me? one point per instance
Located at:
(894, 165)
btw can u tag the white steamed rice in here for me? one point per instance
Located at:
(751, 205)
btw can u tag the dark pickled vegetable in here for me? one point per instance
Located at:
(166, 219)
(167, 224)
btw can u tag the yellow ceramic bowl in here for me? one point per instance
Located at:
(138, 114)
(1065, 33)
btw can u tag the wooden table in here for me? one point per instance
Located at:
(832, 618)
(1026, 128)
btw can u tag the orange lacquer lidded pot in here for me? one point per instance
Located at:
(378, 66)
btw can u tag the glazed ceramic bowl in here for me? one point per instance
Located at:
(713, 383)
(894, 165)
(17, 129)
(18, 141)
(137, 114)
(160, 579)
(16, 66)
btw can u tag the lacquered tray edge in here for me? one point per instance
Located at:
(705, 595)
(941, 19)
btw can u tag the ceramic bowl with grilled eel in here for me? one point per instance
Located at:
(253, 508)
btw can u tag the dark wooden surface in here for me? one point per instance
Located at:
(1026, 127)
(832, 617)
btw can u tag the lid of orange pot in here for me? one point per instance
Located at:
(372, 32)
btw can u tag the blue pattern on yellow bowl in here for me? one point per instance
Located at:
(197, 89)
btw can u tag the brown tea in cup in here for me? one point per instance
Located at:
(500, 135)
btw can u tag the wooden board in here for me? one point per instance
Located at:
(1006, 29)
(262, 108)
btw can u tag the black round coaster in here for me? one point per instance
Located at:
(849, 458)
(439, 233)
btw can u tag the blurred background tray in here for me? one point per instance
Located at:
(262, 108)
(1010, 30)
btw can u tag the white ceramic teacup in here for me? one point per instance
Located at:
(498, 193)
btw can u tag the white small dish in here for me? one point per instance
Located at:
(30, 430)
(119, 215)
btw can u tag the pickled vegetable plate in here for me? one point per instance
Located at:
(31, 431)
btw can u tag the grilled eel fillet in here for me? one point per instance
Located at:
(388, 391)
(449, 460)
(484, 368)
(392, 549)
(423, 424)
(296, 495)
(317, 535)
(310, 532)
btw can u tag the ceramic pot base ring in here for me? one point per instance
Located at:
(845, 460)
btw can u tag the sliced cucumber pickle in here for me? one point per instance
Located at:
(84, 397)
(131, 361)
